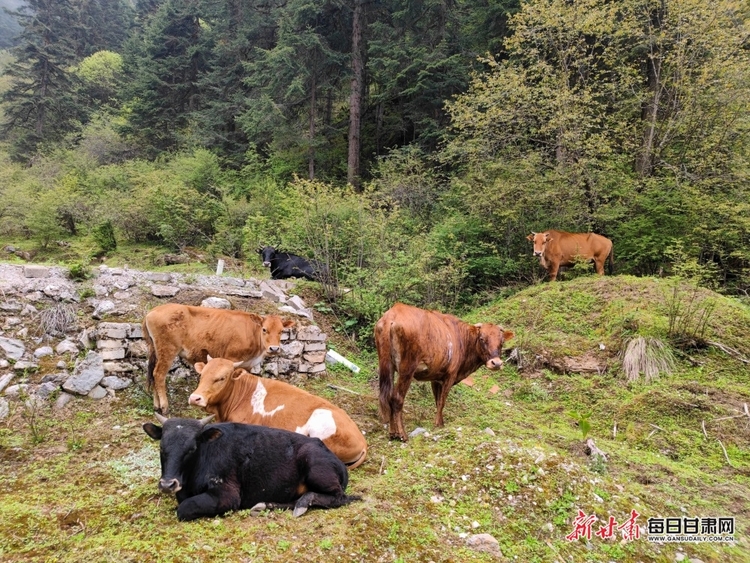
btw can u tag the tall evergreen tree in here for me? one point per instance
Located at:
(163, 66)
(40, 106)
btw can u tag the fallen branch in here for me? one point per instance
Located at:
(657, 427)
(747, 412)
(342, 388)
(592, 450)
(728, 417)
(703, 425)
(382, 463)
(729, 463)
(614, 431)
(731, 351)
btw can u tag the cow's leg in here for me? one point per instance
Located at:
(440, 401)
(599, 264)
(405, 375)
(211, 503)
(321, 500)
(163, 363)
(553, 268)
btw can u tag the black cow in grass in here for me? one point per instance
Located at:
(215, 468)
(285, 265)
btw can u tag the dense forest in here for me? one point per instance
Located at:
(411, 145)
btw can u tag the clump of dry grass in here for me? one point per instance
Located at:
(57, 320)
(647, 356)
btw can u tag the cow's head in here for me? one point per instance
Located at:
(266, 255)
(216, 375)
(540, 241)
(180, 438)
(270, 334)
(491, 340)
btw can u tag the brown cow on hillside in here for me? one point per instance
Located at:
(234, 395)
(196, 332)
(429, 346)
(559, 248)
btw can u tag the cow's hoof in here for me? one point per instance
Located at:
(258, 508)
(299, 511)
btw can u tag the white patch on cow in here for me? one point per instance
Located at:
(450, 350)
(259, 398)
(319, 425)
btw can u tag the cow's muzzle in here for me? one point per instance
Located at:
(169, 485)
(197, 400)
(266, 264)
(274, 349)
(494, 363)
(537, 253)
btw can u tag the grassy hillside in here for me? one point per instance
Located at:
(81, 485)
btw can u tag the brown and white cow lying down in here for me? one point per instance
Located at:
(429, 346)
(196, 332)
(234, 395)
(559, 248)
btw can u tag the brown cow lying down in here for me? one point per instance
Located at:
(234, 395)
(196, 332)
(559, 248)
(429, 346)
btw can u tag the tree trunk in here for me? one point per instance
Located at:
(311, 149)
(355, 100)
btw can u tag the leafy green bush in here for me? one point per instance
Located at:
(104, 236)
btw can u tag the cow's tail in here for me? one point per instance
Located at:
(359, 461)
(151, 355)
(612, 260)
(385, 369)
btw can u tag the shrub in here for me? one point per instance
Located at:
(104, 236)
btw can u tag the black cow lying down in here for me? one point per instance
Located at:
(285, 265)
(215, 468)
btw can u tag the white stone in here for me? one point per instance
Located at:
(43, 352)
(216, 303)
(14, 349)
(164, 290)
(67, 347)
(34, 271)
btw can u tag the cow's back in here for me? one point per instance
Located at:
(203, 330)
(566, 246)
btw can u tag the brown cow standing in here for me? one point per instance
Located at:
(234, 395)
(559, 248)
(196, 332)
(429, 346)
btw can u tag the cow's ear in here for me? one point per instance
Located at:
(152, 430)
(210, 434)
(289, 323)
(508, 334)
(256, 318)
(237, 373)
(198, 366)
(531, 236)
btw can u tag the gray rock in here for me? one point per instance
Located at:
(61, 365)
(216, 303)
(5, 380)
(137, 349)
(97, 393)
(114, 382)
(14, 349)
(103, 308)
(311, 334)
(301, 312)
(46, 389)
(112, 353)
(417, 431)
(16, 390)
(12, 321)
(85, 338)
(158, 277)
(4, 364)
(34, 271)
(679, 556)
(63, 400)
(4, 408)
(29, 310)
(118, 367)
(23, 365)
(271, 292)
(88, 373)
(292, 349)
(164, 290)
(57, 378)
(296, 302)
(11, 306)
(43, 352)
(485, 543)
(67, 347)
(489, 431)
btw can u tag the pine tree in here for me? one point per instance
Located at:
(40, 106)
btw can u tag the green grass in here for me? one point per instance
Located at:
(88, 490)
